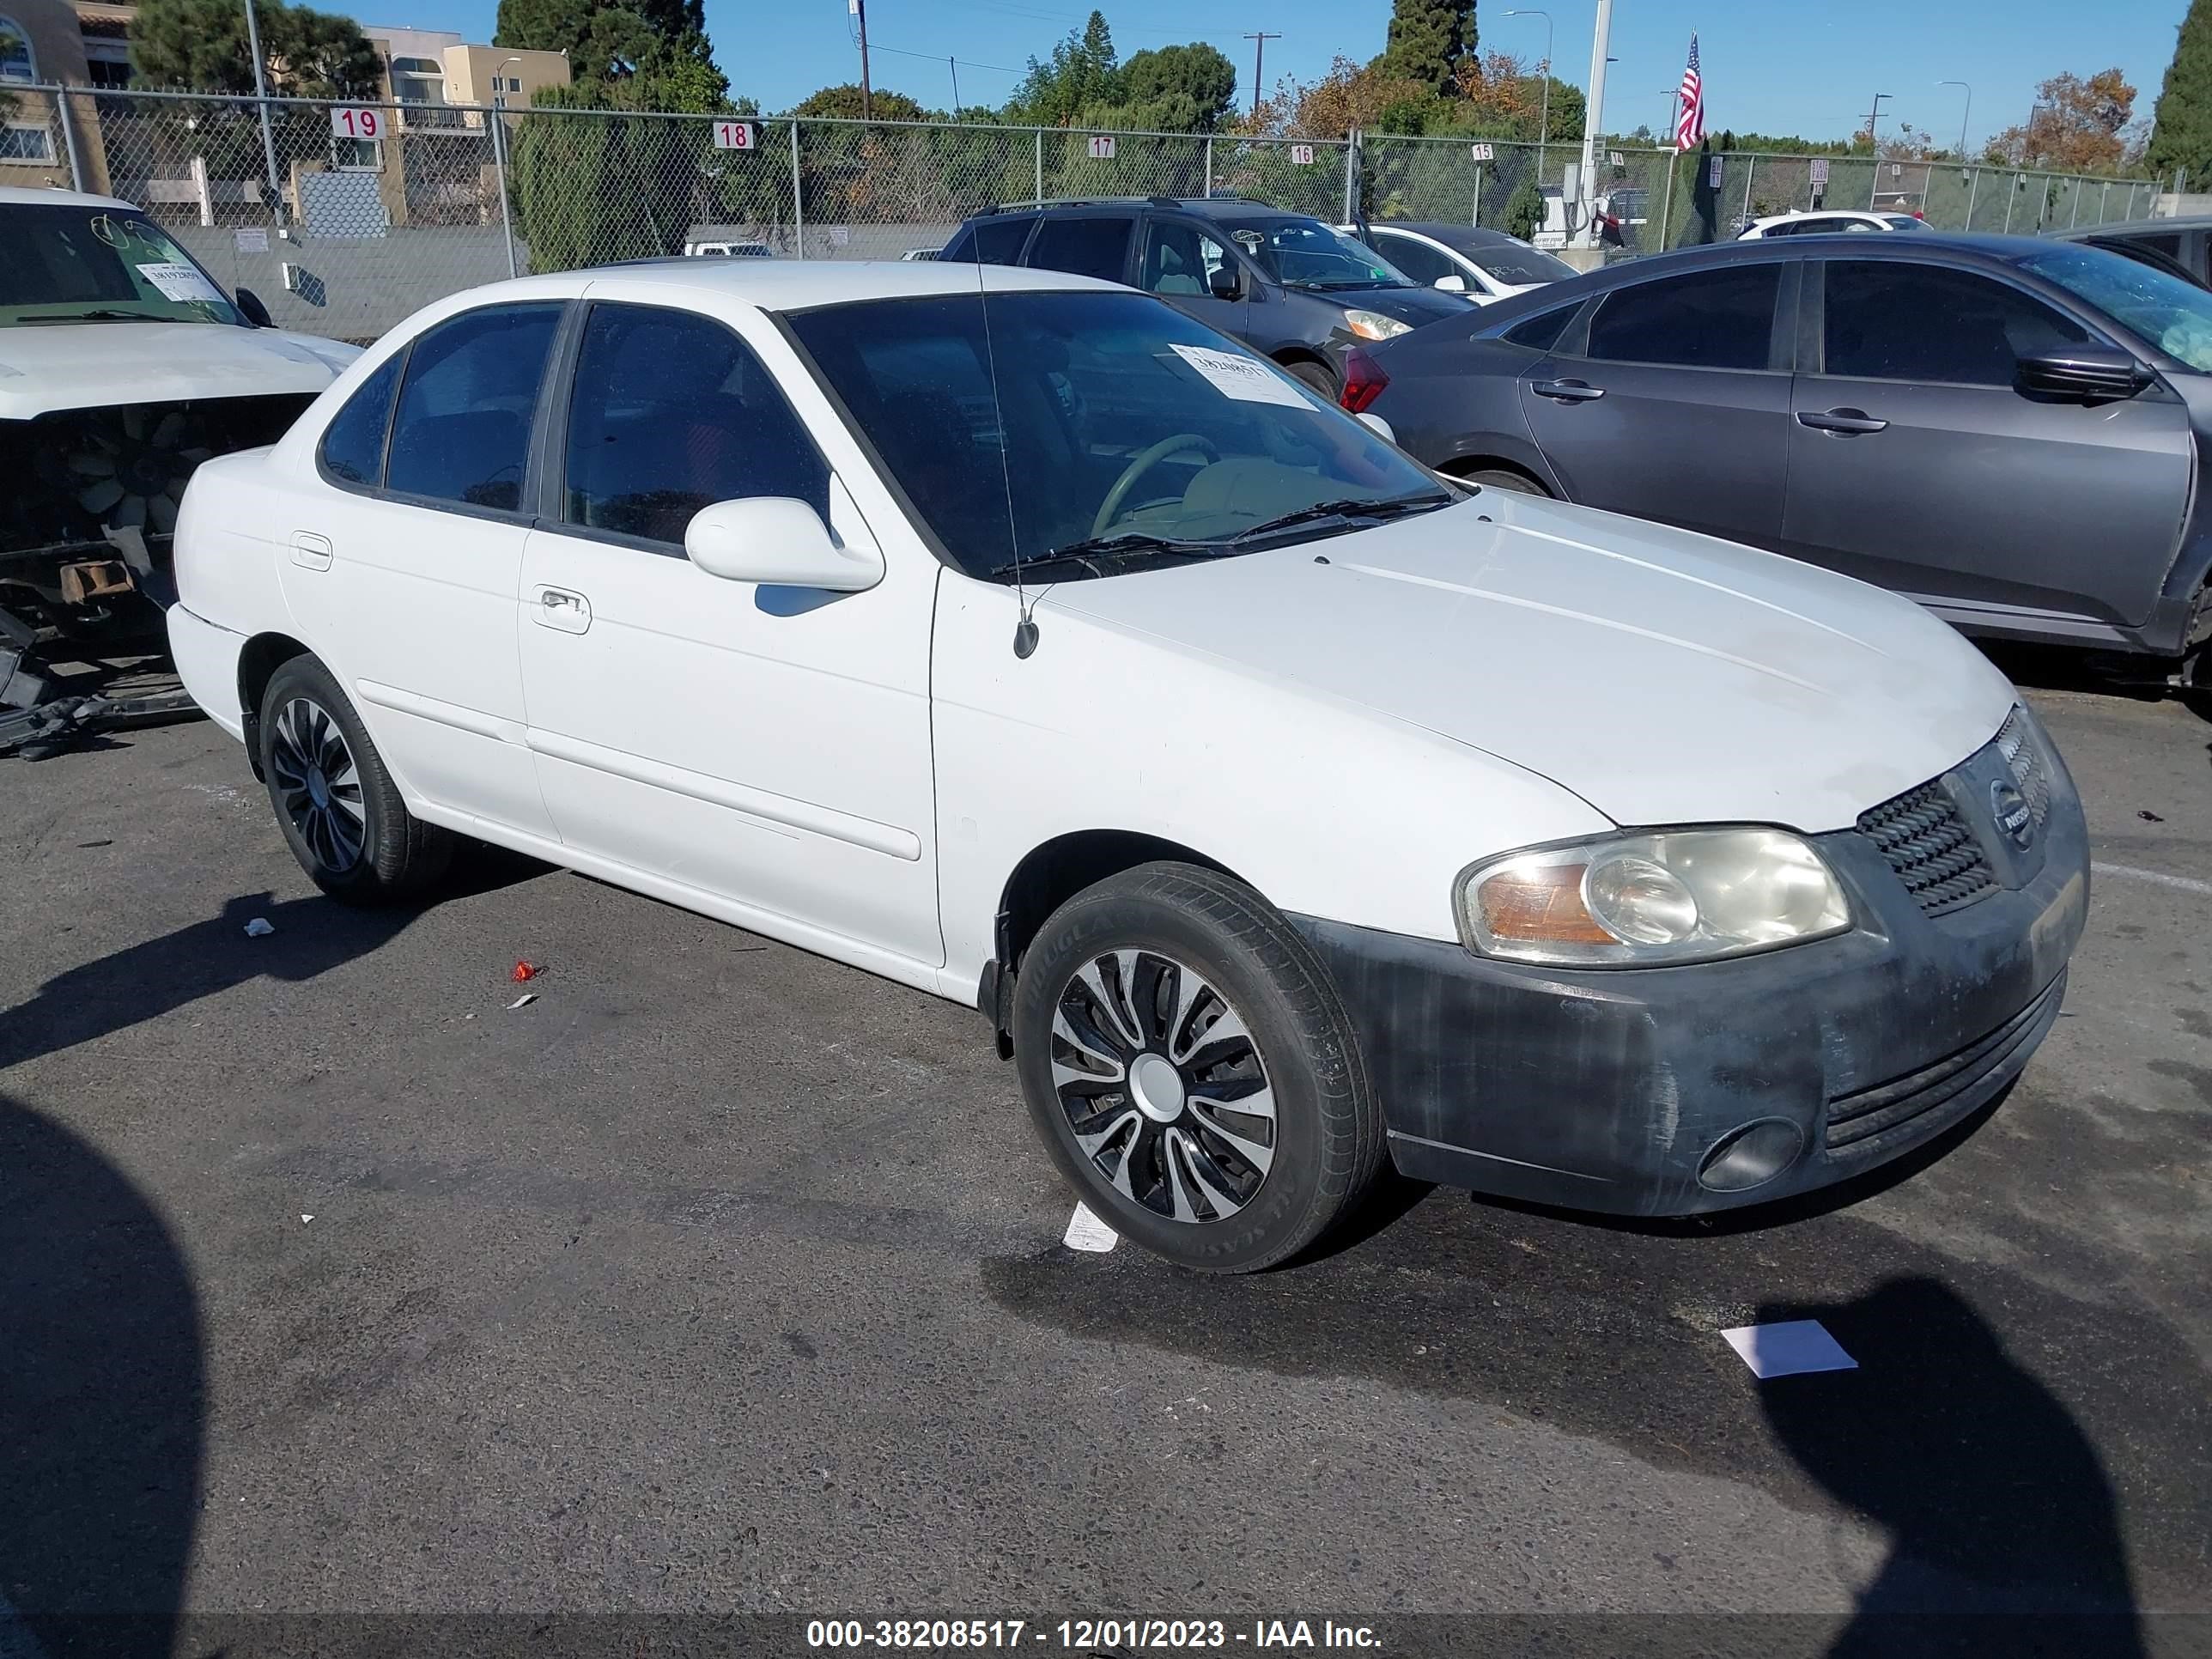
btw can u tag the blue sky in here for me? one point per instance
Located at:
(1804, 66)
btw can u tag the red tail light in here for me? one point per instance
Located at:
(1362, 381)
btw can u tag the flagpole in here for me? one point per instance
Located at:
(1593, 116)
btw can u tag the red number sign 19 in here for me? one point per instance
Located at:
(356, 124)
(735, 135)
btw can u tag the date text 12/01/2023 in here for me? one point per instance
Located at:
(1083, 1634)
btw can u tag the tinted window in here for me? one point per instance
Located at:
(671, 412)
(1418, 260)
(1110, 415)
(1888, 321)
(2169, 245)
(989, 242)
(1085, 247)
(353, 443)
(462, 430)
(1540, 333)
(1712, 319)
(1180, 259)
(1904, 222)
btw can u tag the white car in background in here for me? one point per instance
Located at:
(1826, 222)
(1485, 265)
(1020, 638)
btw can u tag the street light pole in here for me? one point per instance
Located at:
(1544, 119)
(498, 162)
(1593, 115)
(1963, 114)
(261, 107)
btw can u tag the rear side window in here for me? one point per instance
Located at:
(1418, 260)
(462, 430)
(353, 443)
(672, 412)
(990, 242)
(1084, 248)
(1541, 333)
(1720, 319)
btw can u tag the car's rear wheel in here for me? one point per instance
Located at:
(1517, 483)
(339, 810)
(1189, 1065)
(1315, 376)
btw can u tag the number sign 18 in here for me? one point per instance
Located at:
(735, 135)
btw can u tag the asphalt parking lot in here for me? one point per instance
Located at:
(721, 1280)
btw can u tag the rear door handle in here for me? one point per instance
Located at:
(310, 551)
(1567, 392)
(1840, 420)
(561, 608)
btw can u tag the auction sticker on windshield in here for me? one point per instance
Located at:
(1245, 378)
(180, 281)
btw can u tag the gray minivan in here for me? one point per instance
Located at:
(1290, 287)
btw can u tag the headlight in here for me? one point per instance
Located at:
(1374, 325)
(1644, 900)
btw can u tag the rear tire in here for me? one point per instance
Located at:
(1191, 1068)
(338, 809)
(1315, 376)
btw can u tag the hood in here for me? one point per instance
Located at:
(93, 365)
(1408, 305)
(1664, 677)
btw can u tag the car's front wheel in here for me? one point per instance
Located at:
(340, 811)
(1190, 1066)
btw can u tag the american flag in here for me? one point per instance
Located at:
(1690, 125)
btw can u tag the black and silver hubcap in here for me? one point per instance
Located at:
(1163, 1085)
(317, 785)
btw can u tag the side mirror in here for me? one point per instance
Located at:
(1452, 283)
(250, 307)
(2083, 373)
(1222, 282)
(776, 541)
(1379, 426)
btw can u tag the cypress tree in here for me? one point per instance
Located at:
(1427, 39)
(2184, 116)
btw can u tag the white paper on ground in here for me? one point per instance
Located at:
(1245, 378)
(1086, 1232)
(177, 281)
(1788, 1347)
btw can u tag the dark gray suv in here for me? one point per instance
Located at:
(2008, 430)
(1287, 285)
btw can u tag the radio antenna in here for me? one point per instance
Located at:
(1025, 633)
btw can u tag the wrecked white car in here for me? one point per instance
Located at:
(123, 366)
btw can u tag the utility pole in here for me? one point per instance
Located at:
(261, 107)
(1258, 57)
(1594, 117)
(1873, 116)
(953, 63)
(860, 12)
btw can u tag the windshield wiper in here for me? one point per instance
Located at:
(1106, 556)
(1390, 507)
(97, 317)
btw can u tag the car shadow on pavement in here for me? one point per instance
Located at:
(156, 976)
(2004, 1532)
(102, 1395)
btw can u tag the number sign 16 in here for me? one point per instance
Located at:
(356, 124)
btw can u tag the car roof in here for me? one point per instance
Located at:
(800, 284)
(1451, 236)
(2134, 227)
(1210, 207)
(12, 195)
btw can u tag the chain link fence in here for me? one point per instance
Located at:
(346, 217)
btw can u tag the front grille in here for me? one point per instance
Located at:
(1930, 847)
(1872, 1122)
(2017, 742)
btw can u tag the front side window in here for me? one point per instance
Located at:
(1891, 321)
(79, 265)
(2172, 313)
(1084, 248)
(353, 443)
(671, 413)
(1180, 259)
(1307, 253)
(1114, 423)
(461, 433)
(1418, 260)
(1720, 318)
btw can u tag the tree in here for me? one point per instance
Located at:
(2181, 135)
(1082, 71)
(2078, 125)
(1705, 203)
(1524, 209)
(1427, 38)
(601, 37)
(884, 105)
(1194, 83)
(200, 46)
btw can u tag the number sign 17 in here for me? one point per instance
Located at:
(356, 124)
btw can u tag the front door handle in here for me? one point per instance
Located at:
(1840, 420)
(311, 551)
(563, 609)
(1567, 392)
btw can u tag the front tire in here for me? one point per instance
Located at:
(340, 811)
(1514, 484)
(1315, 376)
(1190, 1066)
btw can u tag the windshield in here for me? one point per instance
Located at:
(1114, 415)
(1307, 253)
(2173, 315)
(61, 263)
(1520, 264)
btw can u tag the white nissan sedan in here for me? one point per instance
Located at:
(1281, 807)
